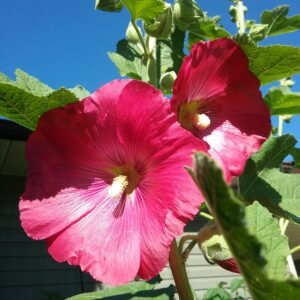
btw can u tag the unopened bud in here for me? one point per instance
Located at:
(109, 5)
(215, 248)
(162, 26)
(186, 12)
(131, 34)
(167, 81)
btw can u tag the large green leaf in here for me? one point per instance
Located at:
(25, 108)
(145, 10)
(248, 246)
(263, 181)
(265, 228)
(136, 290)
(129, 60)
(27, 83)
(282, 101)
(277, 21)
(271, 63)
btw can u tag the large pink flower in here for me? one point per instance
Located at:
(217, 98)
(107, 187)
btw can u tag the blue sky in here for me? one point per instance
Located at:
(65, 43)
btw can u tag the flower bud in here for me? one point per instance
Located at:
(162, 26)
(109, 5)
(167, 81)
(186, 12)
(131, 34)
(215, 248)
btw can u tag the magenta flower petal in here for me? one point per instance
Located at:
(218, 99)
(107, 187)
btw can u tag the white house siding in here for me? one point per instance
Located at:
(26, 269)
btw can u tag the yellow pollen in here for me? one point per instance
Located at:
(201, 121)
(118, 186)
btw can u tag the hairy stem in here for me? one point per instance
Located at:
(140, 38)
(179, 274)
(240, 11)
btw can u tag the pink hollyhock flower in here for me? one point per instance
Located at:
(106, 185)
(217, 98)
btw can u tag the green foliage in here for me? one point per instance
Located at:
(277, 21)
(234, 220)
(234, 291)
(170, 52)
(262, 180)
(109, 5)
(271, 63)
(27, 83)
(25, 99)
(79, 91)
(296, 155)
(162, 26)
(189, 17)
(282, 101)
(139, 290)
(275, 248)
(129, 60)
(144, 10)
(25, 108)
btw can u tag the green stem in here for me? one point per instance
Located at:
(295, 249)
(240, 10)
(206, 215)
(140, 38)
(283, 224)
(280, 126)
(179, 274)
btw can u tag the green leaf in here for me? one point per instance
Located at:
(79, 91)
(233, 220)
(277, 21)
(27, 83)
(170, 52)
(31, 84)
(109, 5)
(208, 28)
(144, 10)
(217, 294)
(271, 63)
(25, 108)
(296, 155)
(265, 228)
(34, 86)
(131, 68)
(5, 79)
(129, 60)
(262, 180)
(136, 290)
(257, 32)
(282, 101)
(236, 284)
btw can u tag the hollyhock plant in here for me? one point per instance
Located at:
(107, 188)
(217, 98)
